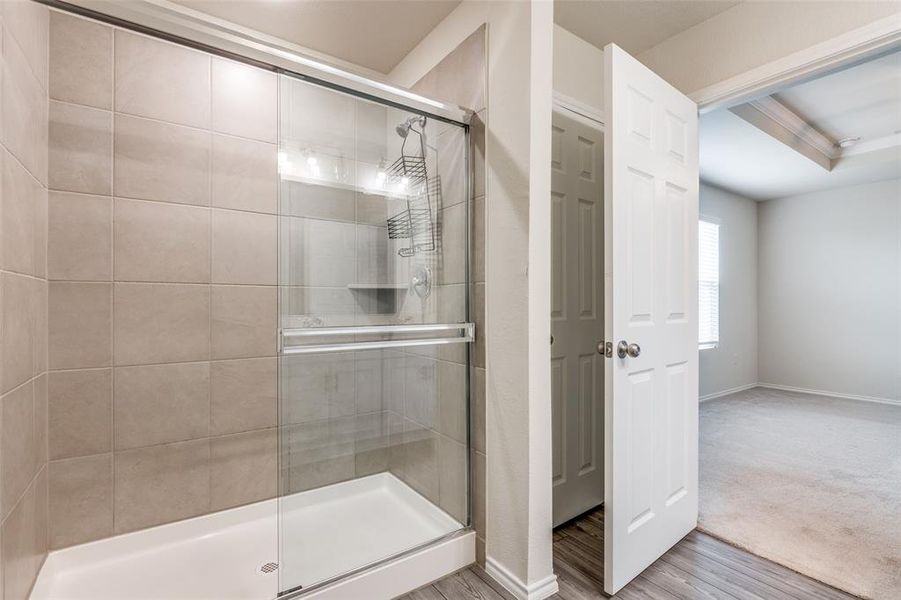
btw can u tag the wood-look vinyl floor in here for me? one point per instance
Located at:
(698, 567)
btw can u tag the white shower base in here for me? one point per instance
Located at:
(325, 533)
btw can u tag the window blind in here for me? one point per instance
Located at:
(708, 284)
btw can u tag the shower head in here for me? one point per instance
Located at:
(403, 129)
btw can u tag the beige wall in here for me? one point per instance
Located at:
(23, 296)
(162, 268)
(578, 69)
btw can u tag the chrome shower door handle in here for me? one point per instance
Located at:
(624, 348)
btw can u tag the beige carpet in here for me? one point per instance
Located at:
(810, 482)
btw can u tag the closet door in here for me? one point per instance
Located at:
(577, 316)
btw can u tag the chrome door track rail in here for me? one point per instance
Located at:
(315, 340)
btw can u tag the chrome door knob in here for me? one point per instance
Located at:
(624, 348)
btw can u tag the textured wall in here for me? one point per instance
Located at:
(23, 296)
(162, 268)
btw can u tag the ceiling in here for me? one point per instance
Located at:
(859, 101)
(635, 26)
(375, 34)
(864, 101)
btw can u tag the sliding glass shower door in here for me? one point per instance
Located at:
(373, 366)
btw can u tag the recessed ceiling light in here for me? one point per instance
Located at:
(847, 142)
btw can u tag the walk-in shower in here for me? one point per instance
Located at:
(265, 276)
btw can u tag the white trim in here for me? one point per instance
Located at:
(790, 388)
(539, 590)
(595, 116)
(790, 120)
(722, 393)
(842, 50)
(405, 574)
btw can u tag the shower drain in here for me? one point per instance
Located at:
(269, 567)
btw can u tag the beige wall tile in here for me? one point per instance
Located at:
(245, 101)
(452, 237)
(41, 411)
(20, 197)
(79, 244)
(80, 154)
(156, 241)
(40, 233)
(18, 449)
(81, 500)
(161, 80)
(452, 476)
(421, 467)
(477, 410)
(23, 106)
(25, 540)
(244, 321)
(452, 400)
(245, 174)
(243, 468)
(477, 241)
(158, 404)
(161, 323)
(17, 325)
(244, 248)
(160, 484)
(477, 141)
(451, 166)
(80, 321)
(40, 296)
(159, 161)
(478, 493)
(243, 395)
(80, 412)
(81, 61)
(477, 310)
(28, 24)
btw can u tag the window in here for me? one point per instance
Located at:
(708, 284)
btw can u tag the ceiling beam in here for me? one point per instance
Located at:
(781, 123)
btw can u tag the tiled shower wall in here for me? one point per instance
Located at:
(23, 296)
(162, 268)
(461, 77)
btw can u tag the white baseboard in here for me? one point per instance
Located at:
(539, 590)
(790, 388)
(740, 388)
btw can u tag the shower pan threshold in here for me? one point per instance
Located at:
(325, 533)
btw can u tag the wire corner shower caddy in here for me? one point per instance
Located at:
(409, 175)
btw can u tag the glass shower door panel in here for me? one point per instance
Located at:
(373, 391)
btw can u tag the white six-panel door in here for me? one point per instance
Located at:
(651, 421)
(577, 316)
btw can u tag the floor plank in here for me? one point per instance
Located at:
(699, 567)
